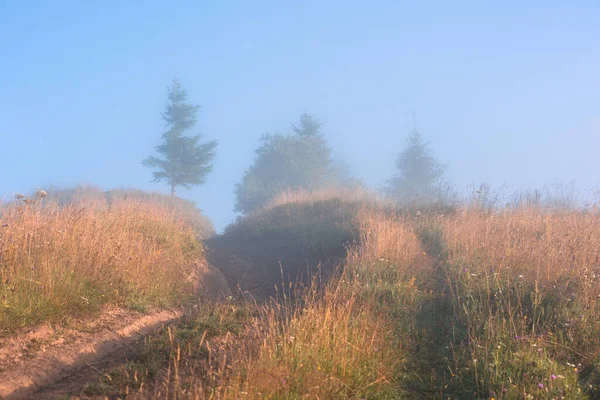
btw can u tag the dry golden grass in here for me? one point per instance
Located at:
(540, 244)
(340, 342)
(468, 304)
(385, 236)
(526, 286)
(65, 260)
(304, 197)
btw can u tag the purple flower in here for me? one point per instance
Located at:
(553, 377)
(541, 385)
(465, 269)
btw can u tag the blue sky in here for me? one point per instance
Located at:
(507, 92)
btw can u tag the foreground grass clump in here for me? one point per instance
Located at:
(526, 288)
(64, 260)
(344, 342)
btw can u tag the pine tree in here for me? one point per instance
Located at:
(418, 170)
(185, 161)
(301, 160)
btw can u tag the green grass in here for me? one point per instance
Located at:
(187, 343)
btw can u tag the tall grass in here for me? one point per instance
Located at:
(526, 284)
(481, 302)
(340, 342)
(180, 208)
(63, 259)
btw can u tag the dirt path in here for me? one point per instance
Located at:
(49, 362)
(36, 359)
(260, 268)
(39, 362)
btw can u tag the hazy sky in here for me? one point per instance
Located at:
(508, 92)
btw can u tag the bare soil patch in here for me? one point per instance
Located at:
(41, 357)
(263, 268)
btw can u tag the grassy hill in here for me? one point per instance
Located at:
(457, 303)
(64, 254)
(460, 303)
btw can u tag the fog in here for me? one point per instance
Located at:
(505, 93)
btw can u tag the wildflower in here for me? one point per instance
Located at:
(19, 196)
(553, 377)
(465, 270)
(541, 385)
(41, 193)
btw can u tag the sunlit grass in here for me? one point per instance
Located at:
(473, 303)
(67, 260)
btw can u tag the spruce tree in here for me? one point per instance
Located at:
(418, 170)
(185, 161)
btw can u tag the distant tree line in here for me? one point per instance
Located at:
(300, 159)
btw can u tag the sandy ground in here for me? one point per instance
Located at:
(33, 360)
(43, 362)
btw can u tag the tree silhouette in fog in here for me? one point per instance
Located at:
(301, 160)
(419, 173)
(185, 161)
